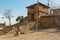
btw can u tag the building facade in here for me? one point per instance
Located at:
(56, 11)
(37, 10)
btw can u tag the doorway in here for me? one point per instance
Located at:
(32, 17)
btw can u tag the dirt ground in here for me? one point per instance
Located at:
(50, 34)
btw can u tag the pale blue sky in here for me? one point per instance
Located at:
(18, 7)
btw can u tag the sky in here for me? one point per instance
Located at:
(18, 8)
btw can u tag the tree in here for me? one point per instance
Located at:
(20, 18)
(7, 14)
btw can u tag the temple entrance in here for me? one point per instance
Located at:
(32, 17)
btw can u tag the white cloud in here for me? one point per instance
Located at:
(13, 20)
(2, 20)
(56, 2)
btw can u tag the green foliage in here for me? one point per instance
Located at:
(20, 18)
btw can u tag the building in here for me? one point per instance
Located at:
(56, 11)
(38, 16)
(37, 10)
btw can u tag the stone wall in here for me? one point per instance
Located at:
(56, 11)
(48, 22)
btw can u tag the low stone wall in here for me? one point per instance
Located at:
(48, 22)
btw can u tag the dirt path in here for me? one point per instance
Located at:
(42, 35)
